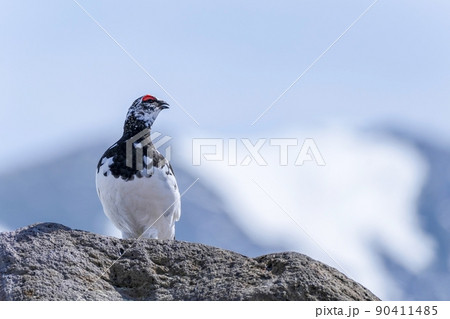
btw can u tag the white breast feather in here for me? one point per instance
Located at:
(147, 206)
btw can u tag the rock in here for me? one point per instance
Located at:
(52, 262)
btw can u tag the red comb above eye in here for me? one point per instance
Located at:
(148, 97)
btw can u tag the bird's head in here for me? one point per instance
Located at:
(143, 113)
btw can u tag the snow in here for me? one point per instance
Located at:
(3, 228)
(343, 213)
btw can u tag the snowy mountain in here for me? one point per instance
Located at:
(433, 206)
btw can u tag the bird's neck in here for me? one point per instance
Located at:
(136, 127)
(137, 135)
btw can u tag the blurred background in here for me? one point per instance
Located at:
(376, 105)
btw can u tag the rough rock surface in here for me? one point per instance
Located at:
(52, 262)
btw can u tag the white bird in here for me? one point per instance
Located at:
(135, 183)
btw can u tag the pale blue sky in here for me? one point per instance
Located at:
(65, 80)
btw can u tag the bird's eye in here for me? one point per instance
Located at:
(148, 98)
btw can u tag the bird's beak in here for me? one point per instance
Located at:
(163, 105)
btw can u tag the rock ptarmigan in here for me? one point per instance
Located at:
(135, 183)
